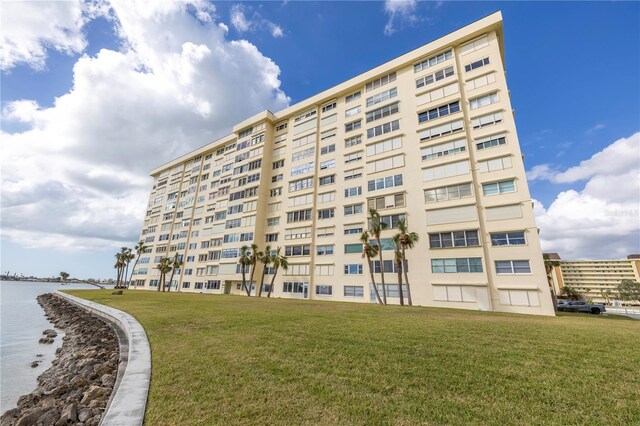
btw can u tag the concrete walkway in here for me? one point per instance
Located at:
(629, 312)
(129, 397)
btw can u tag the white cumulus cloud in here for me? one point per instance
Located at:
(602, 220)
(402, 11)
(244, 23)
(77, 176)
(29, 28)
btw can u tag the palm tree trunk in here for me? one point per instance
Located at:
(133, 269)
(264, 270)
(125, 284)
(406, 277)
(248, 289)
(244, 278)
(173, 271)
(384, 288)
(272, 281)
(400, 283)
(160, 282)
(373, 281)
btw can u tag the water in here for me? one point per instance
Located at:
(21, 324)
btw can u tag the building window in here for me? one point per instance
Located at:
(491, 141)
(353, 111)
(441, 130)
(508, 239)
(326, 213)
(444, 149)
(282, 126)
(484, 100)
(438, 112)
(294, 286)
(305, 153)
(353, 174)
(353, 269)
(381, 97)
(379, 113)
(324, 290)
(273, 221)
(486, 120)
(384, 182)
(299, 216)
(513, 267)
(436, 76)
(492, 165)
(353, 158)
(446, 170)
(456, 265)
(298, 185)
(454, 239)
(302, 169)
(385, 164)
(386, 202)
(351, 230)
(353, 291)
(432, 61)
(270, 238)
(352, 209)
(352, 97)
(452, 192)
(329, 107)
(327, 180)
(495, 188)
(354, 125)
(384, 80)
(477, 64)
(483, 80)
(390, 221)
(327, 149)
(300, 250)
(384, 146)
(353, 249)
(383, 129)
(356, 140)
(324, 250)
(327, 164)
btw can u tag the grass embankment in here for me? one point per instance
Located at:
(235, 360)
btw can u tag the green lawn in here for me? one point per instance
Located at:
(235, 360)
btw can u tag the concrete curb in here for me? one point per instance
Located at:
(129, 398)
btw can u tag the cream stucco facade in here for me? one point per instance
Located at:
(429, 136)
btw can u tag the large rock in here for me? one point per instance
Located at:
(94, 392)
(49, 417)
(84, 414)
(68, 415)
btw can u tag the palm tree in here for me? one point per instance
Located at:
(278, 262)
(266, 259)
(125, 253)
(407, 241)
(245, 260)
(571, 292)
(163, 267)
(398, 261)
(549, 266)
(253, 261)
(375, 229)
(369, 251)
(64, 276)
(175, 264)
(118, 266)
(140, 248)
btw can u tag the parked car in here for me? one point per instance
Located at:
(581, 306)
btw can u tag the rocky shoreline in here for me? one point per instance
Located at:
(77, 387)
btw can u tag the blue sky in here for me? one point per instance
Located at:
(572, 69)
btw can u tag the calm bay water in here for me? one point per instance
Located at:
(22, 322)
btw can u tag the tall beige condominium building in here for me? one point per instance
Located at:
(428, 137)
(597, 280)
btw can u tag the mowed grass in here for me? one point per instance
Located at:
(238, 360)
